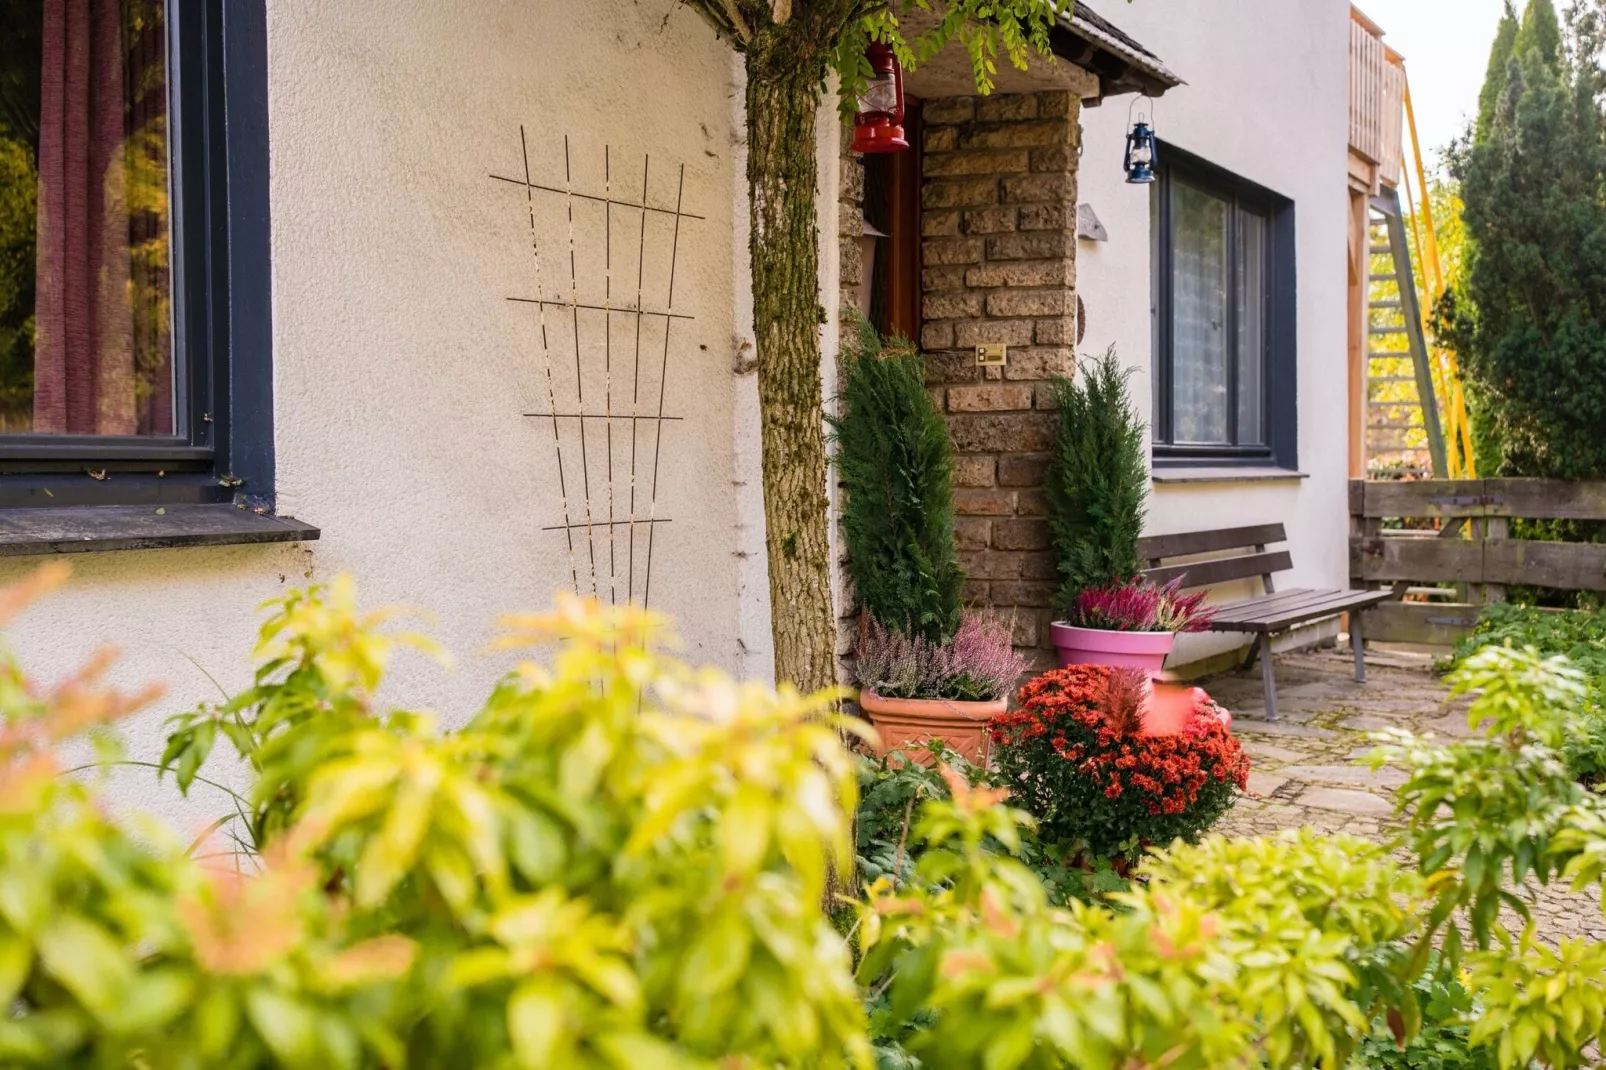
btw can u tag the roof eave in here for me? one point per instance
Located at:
(1122, 66)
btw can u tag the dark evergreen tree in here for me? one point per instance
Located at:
(896, 468)
(1541, 30)
(1529, 320)
(1494, 78)
(1097, 480)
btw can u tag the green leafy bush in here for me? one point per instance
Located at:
(892, 791)
(1097, 481)
(618, 862)
(896, 465)
(1189, 972)
(621, 862)
(1444, 1040)
(1579, 635)
(1498, 814)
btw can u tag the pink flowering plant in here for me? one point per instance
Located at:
(978, 664)
(1141, 606)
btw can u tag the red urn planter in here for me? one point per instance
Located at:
(908, 723)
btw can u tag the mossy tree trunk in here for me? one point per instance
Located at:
(788, 47)
(784, 73)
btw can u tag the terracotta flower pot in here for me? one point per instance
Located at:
(907, 723)
(1095, 646)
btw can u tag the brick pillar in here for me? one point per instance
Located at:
(999, 265)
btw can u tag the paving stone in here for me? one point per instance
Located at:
(1367, 722)
(1345, 774)
(1453, 725)
(1265, 783)
(1346, 801)
(1248, 726)
(1270, 751)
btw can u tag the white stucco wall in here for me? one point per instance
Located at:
(402, 370)
(1266, 99)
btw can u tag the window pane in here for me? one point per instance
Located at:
(1199, 350)
(1251, 298)
(85, 305)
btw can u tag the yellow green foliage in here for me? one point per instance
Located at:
(620, 862)
(1223, 949)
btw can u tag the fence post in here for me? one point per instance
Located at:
(1494, 527)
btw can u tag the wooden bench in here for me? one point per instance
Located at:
(1272, 612)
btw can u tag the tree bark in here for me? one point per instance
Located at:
(784, 76)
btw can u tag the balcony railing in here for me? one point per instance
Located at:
(1376, 98)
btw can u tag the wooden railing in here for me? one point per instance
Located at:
(1376, 99)
(1458, 532)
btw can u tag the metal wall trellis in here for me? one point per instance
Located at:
(600, 523)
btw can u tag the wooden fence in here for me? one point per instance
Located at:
(1457, 531)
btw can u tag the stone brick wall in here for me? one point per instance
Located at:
(999, 254)
(999, 265)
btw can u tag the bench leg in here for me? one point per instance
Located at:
(1358, 645)
(1254, 652)
(1268, 675)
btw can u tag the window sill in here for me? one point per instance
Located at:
(1225, 474)
(81, 529)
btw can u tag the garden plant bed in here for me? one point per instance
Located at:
(1304, 770)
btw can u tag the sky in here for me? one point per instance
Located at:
(1446, 48)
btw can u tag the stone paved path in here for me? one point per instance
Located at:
(1304, 763)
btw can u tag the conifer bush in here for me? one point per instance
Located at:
(1097, 481)
(895, 465)
(1528, 320)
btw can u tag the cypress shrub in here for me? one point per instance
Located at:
(896, 469)
(1096, 481)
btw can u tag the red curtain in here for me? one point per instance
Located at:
(101, 364)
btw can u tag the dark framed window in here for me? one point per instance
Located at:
(891, 243)
(1224, 361)
(135, 332)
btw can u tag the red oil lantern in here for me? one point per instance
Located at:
(878, 124)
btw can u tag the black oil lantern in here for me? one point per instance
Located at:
(1142, 153)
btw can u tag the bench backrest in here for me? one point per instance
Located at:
(1258, 562)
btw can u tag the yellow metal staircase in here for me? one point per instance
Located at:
(1404, 435)
(1415, 420)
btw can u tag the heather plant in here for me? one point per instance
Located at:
(979, 664)
(1141, 606)
(895, 464)
(1097, 480)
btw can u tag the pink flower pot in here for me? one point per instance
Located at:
(908, 723)
(1095, 646)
